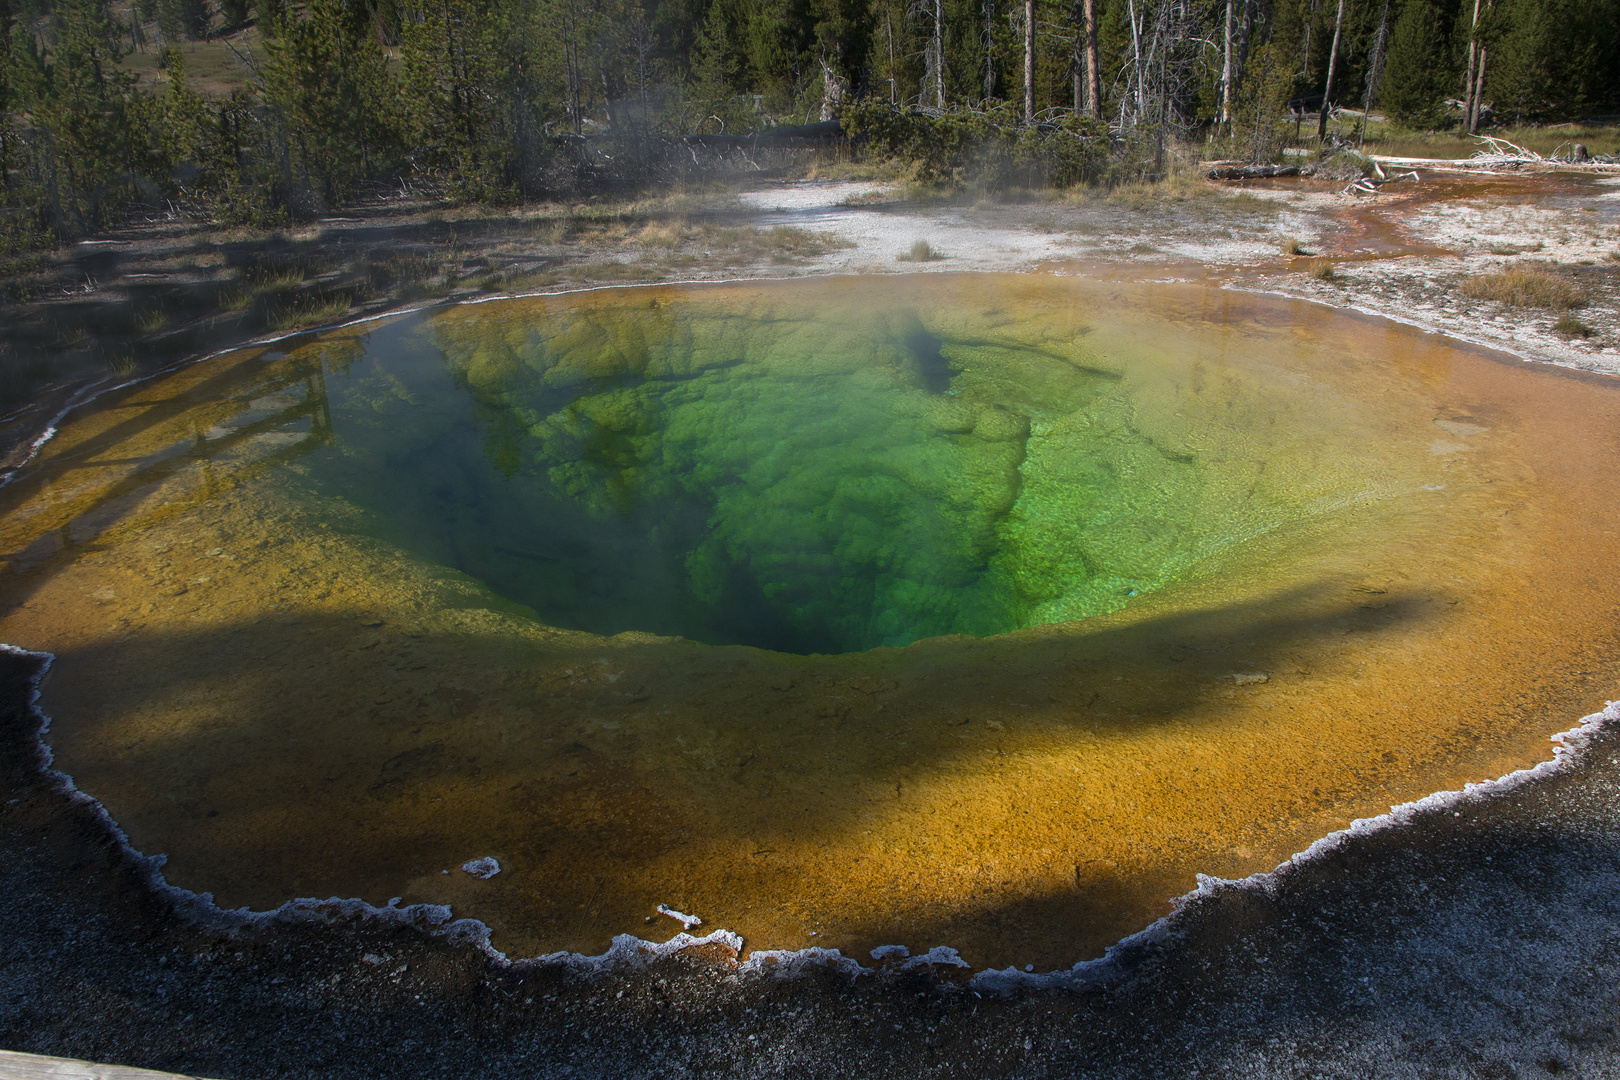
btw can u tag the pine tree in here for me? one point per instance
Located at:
(1551, 59)
(329, 78)
(1417, 77)
(182, 20)
(90, 137)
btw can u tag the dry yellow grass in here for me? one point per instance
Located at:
(1521, 286)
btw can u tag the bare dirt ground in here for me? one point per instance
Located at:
(1478, 940)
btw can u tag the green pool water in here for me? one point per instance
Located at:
(772, 477)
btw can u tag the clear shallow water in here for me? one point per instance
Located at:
(294, 656)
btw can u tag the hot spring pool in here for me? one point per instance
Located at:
(971, 610)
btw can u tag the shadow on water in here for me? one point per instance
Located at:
(1392, 942)
(319, 769)
(936, 371)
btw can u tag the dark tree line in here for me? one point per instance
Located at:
(500, 100)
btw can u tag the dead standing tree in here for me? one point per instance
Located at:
(933, 51)
(1333, 60)
(1474, 81)
(1164, 68)
(1375, 69)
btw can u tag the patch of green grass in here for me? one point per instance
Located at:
(867, 198)
(1389, 139)
(801, 243)
(609, 270)
(1253, 204)
(398, 270)
(151, 320)
(308, 311)
(122, 367)
(1571, 327)
(921, 251)
(1522, 286)
(235, 298)
(66, 337)
(275, 278)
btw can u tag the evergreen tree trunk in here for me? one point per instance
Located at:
(1226, 68)
(1077, 60)
(1310, 25)
(989, 9)
(1093, 65)
(1333, 59)
(939, 54)
(1029, 61)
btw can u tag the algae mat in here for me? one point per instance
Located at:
(972, 610)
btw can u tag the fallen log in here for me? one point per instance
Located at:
(1252, 172)
(1369, 185)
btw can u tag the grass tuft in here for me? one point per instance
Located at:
(1520, 286)
(266, 279)
(1322, 270)
(921, 251)
(151, 320)
(666, 235)
(235, 298)
(1291, 246)
(308, 311)
(1571, 327)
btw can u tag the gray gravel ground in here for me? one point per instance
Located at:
(1480, 943)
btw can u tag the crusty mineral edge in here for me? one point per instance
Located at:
(1027, 799)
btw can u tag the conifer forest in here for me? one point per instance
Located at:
(498, 101)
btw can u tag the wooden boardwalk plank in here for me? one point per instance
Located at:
(16, 1066)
